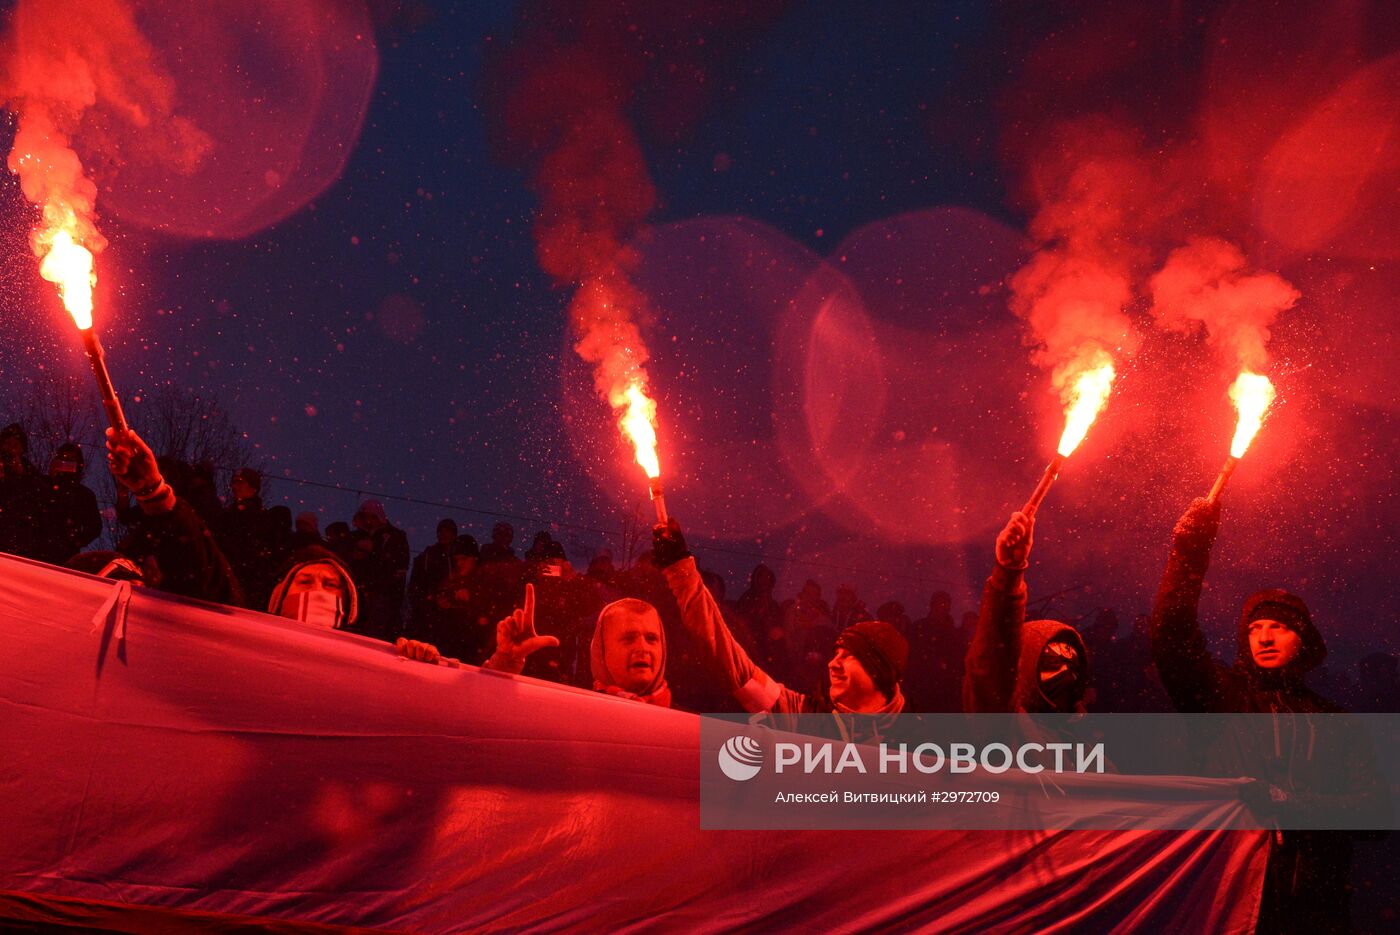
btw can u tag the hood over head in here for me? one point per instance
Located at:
(316, 555)
(657, 693)
(1035, 634)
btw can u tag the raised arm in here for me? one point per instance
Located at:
(753, 688)
(1189, 674)
(989, 677)
(190, 561)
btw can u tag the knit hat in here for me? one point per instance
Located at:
(880, 649)
(1289, 610)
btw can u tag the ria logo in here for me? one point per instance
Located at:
(740, 758)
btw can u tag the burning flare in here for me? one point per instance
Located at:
(68, 265)
(1084, 399)
(638, 423)
(1252, 394)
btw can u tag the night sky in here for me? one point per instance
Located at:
(843, 194)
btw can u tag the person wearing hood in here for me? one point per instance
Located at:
(1300, 770)
(168, 534)
(862, 676)
(627, 654)
(1014, 664)
(315, 587)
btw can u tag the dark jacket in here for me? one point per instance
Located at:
(191, 563)
(1327, 769)
(70, 519)
(754, 689)
(1001, 673)
(245, 538)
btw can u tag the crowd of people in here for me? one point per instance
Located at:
(664, 631)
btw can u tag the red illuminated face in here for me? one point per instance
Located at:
(851, 685)
(632, 649)
(319, 576)
(1272, 644)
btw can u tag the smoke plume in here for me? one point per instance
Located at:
(69, 69)
(1206, 284)
(1074, 291)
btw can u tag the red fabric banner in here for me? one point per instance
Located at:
(169, 757)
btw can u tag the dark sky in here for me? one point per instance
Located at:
(398, 335)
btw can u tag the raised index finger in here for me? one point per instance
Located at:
(530, 604)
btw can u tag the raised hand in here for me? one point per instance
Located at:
(668, 544)
(1198, 525)
(1014, 542)
(516, 638)
(133, 464)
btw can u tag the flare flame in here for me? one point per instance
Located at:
(1252, 394)
(68, 265)
(638, 423)
(1085, 396)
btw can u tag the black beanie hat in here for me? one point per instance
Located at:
(881, 649)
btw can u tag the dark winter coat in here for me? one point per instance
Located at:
(245, 537)
(430, 569)
(1325, 771)
(70, 519)
(190, 561)
(22, 498)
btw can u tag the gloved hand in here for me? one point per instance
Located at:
(1014, 542)
(133, 464)
(1195, 531)
(668, 544)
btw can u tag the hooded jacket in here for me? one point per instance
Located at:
(316, 555)
(657, 693)
(1002, 672)
(1324, 767)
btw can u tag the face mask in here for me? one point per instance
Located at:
(1060, 670)
(317, 608)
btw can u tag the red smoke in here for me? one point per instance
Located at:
(565, 90)
(210, 119)
(1074, 291)
(1205, 283)
(68, 71)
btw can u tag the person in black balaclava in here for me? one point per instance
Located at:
(1305, 768)
(1015, 664)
